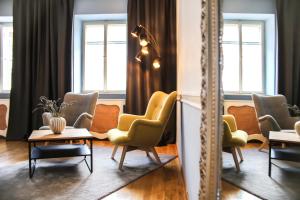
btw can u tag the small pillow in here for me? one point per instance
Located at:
(105, 118)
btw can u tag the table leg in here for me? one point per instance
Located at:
(29, 158)
(91, 146)
(270, 163)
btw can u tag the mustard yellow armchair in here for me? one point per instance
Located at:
(233, 139)
(143, 131)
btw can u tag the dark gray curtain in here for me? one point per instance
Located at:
(288, 16)
(159, 17)
(41, 59)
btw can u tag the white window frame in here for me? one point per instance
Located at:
(240, 23)
(2, 24)
(105, 23)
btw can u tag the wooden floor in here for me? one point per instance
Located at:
(164, 183)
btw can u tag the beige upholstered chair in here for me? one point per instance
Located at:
(79, 114)
(273, 114)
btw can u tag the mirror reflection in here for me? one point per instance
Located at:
(261, 81)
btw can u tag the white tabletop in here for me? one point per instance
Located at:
(287, 136)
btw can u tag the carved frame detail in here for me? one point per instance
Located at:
(211, 96)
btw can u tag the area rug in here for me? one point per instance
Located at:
(253, 177)
(70, 178)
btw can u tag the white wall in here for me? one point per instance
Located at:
(6, 7)
(189, 81)
(100, 6)
(249, 6)
(188, 46)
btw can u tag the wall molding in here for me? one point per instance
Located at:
(191, 100)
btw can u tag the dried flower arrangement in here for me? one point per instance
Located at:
(52, 106)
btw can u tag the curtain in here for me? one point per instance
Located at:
(288, 16)
(159, 17)
(41, 59)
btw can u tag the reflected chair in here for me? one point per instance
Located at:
(233, 139)
(273, 114)
(143, 132)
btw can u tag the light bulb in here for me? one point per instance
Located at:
(145, 50)
(156, 63)
(143, 42)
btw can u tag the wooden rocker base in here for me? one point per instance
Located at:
(131, 148)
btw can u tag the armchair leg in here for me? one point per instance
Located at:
(123, 157)
(114, 152)
(235, 159)
(147, 153)
(264, 144)
(155, 155)
(240, 153)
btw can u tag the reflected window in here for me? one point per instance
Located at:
(6, 44)
(104, 57)
(243, 53)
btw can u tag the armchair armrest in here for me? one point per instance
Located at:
(125, 121)
(145, 132)
(46, 118)
(268, 123)
(84, 121)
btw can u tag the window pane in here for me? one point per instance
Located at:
(7, 42)
(94, 57)
(231, 58)
(231, 67)
(231, 33)
(251, 33)
(116, 56)
(252, 58)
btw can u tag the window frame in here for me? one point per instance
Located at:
(263, 74)
(3, 92)
(105, 23)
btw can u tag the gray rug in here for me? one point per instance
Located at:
(284, 184)
(70, 178)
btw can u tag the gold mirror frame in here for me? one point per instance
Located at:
(211, 96)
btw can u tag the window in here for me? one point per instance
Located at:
(6, 41)
(104, 56)
(243, 51)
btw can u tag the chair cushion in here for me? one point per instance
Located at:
(118, 137)
(239, 138)
(105, 118)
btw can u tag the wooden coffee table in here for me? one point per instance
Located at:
(288, 153)
(57, 151)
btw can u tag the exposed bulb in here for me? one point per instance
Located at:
(143, 43)
(145, 50)
(156, 63)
